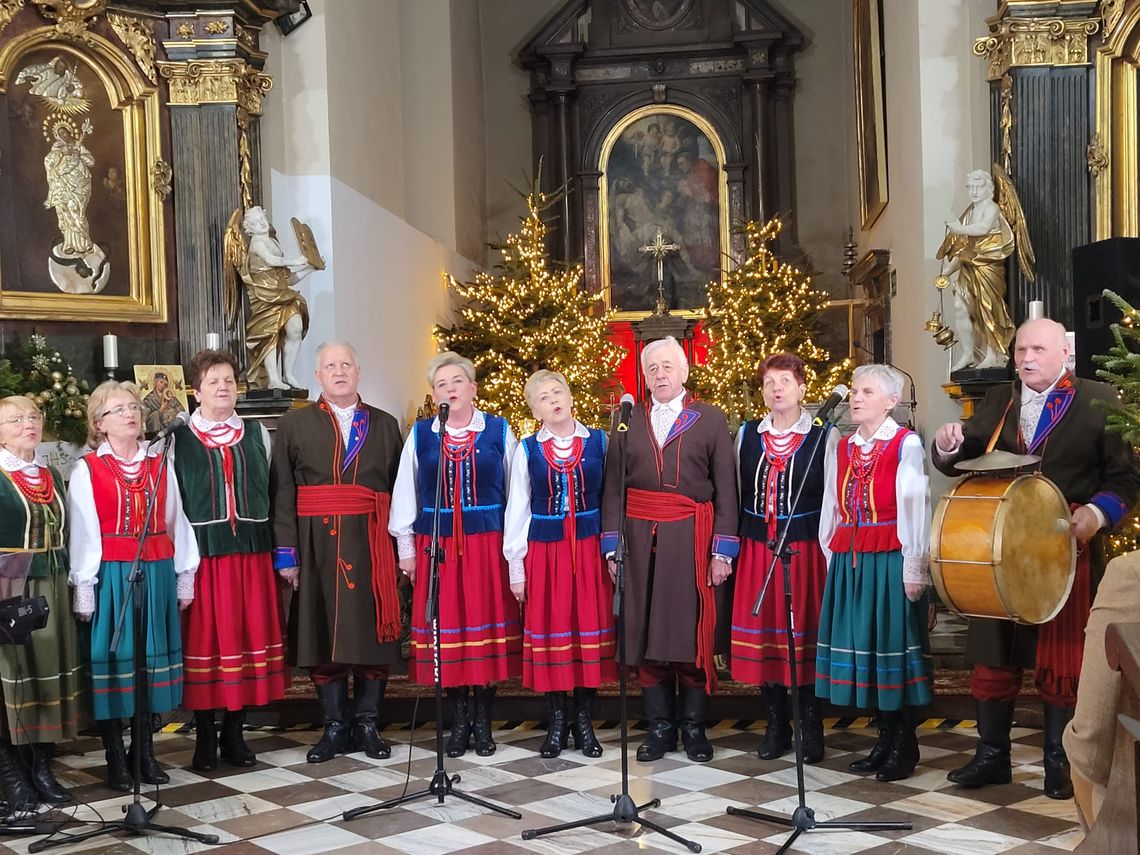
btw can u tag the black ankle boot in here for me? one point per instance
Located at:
(903, 756)
(19, 794)
(583, 725)
(119, 775)
(42, 778)
(777, 731)
(334, 714)
(1058, 782)
(811, 725)
(481, 724)
(366, 720)
(205, 741)
(558, 728)
(991, 763)
(661, 737)
(694, 712)
(234, 751)
(460, 739)
(874, 761)
(151, 772)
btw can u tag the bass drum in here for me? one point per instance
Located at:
(1002, 547)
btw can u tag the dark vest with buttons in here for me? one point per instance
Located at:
(481, 479)
(756, 469)
(549, 489)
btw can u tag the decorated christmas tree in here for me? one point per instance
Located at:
(763, 306)
(39, 372)
(527, 314)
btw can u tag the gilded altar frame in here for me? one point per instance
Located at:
(138, 102)
(870, 110)
(611, 138)
(1114, 150)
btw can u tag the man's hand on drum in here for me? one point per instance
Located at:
(1085, 525)
(949, 437)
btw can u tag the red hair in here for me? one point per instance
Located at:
(783, 362)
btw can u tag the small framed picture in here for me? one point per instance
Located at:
(163, 392)
(287, 23)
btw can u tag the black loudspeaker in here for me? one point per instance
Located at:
(1113, 264)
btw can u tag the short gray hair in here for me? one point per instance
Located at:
(656, 345)
(450, 357)
(336, 343)
(890, 380)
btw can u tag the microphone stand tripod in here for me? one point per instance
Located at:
(625, 811)
(441, 783)
(137, 819)
(803, 818)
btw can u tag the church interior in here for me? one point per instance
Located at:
(173, 170)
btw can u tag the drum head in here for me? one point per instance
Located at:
(1035, 552)
(998, 461)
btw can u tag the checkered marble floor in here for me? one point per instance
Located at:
(289, 807)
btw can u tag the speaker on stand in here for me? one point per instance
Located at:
(1113, 264)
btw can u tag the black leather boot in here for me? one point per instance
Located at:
(558, 728)
(481, 721)
(366, 720)
(19, 794)
(874, 761)
(119, 775)
(234, 751)
(1058, 783)
(334, 714)
(205, 741)
(583, 724)
(42, 778)
(460, 738)
(694, 712)
(811, 725)
(151, 772)
(778, 730)
(991, 763)
(903, 756)
(661, 736)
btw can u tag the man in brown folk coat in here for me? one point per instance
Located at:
(680, 528)
(334, 464)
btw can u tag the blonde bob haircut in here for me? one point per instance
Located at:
(97, 403)
(539, 378)
(450, 357)
(21, 403)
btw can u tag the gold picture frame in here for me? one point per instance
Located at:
(111, 119)
(706, 144)
(870, 110)
(163, 392)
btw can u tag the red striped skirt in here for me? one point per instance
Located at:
(232, 648)
(569, 632)
(479, 621)
(759, 652)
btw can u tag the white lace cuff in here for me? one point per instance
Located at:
(83, 599)
(916, 570)
(517, 567)
(185, 588)
(406, 546)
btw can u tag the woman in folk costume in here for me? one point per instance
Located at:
(873, 649)
(774, 458)
(233, 651)
(107, 501)
(556, 567)
(43, 692)
(479, 619)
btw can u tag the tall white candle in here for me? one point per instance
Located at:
(1036, 310)
(110, 351)
(213, 341)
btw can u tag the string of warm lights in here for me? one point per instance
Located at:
(527, 314)
(763, 306)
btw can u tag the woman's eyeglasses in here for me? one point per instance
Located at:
(26, 418)
(123, 411)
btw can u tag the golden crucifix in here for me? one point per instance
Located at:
(658, 248)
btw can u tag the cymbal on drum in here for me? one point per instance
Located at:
(998, 461)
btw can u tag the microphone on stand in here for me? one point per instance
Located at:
(444, 412)
(838, 396)
(179, 420)
(907, 374)
(626, 412)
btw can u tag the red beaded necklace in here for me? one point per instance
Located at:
(38, 492)
(563, 464)
(133, 484)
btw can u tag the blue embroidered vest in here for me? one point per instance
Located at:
(755, 472)
(482, 479)
(548, 507)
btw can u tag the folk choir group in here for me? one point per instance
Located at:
(339, 507)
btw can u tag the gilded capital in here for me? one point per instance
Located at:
(71, 17)
(1022, 42)
(216, 81)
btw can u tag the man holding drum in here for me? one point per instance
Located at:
(1053, 415)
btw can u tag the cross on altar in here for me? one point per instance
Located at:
(658, 248)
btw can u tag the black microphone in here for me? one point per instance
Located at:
(444, 412)
(838, 396)
(179, 420)
(626, 412)
(913, 398)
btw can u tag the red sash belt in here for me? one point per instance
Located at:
(673, 507)
(353, 500)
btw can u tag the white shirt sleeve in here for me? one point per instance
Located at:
(739, 441)
(405, 503)
(510, 444)
(266, 441)
(829, 511)
(517, 526)
(912, 493)
(186, 556)
(85, 543)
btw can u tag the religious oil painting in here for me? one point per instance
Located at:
(662, 174)
(870, 110)
(163, 391)
(80, 231)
